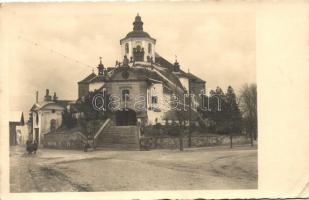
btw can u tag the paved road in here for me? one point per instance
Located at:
(67, 170)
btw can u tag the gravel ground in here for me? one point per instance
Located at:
(106, 170)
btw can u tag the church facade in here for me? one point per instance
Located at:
(144, 84)
(141, 89)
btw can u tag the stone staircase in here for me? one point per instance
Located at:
(118, 137)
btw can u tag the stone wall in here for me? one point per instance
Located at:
(75, 140)
(71, 140)
(196, 141)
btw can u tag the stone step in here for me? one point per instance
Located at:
(119, 130)
(119, 137)
(118, 146)
(118, 140)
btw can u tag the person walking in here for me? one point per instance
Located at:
(35, 146)
(29, 146)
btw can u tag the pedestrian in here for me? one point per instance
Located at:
(29, 146)
(35, 146)
(86, 146)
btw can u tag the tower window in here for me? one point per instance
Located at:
(138, 53)
(154, 99)
(138, 48)
(149, 48)
(127, 48)
(125, 94)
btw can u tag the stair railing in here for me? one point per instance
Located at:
(101, 128)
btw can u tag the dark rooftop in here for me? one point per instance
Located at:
(88, 78)
(138, 31)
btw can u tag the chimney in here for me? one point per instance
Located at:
(37, 97)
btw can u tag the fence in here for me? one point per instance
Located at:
(164, 142)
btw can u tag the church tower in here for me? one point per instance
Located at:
(138, 45)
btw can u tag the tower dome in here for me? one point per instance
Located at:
(138, 31)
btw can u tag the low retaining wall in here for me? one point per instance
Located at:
(63, 140)
(76, 140)
(196, 141)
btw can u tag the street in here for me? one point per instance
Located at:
(106, 170)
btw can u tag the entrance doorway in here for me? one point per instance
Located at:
(125, 117)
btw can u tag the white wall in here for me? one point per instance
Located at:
(185, 82)
(155, 89)
(133, 42)
(22, 134)
(95, 86)
(45, 116)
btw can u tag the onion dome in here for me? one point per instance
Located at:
(138, 31)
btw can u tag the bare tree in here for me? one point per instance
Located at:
(248, 105)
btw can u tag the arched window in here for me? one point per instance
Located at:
(125, 94)
(127, 48)
(138, 48)
(149, 48)
(138, 53)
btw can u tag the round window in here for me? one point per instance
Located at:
(125, 75)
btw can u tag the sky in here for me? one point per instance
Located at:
(56, 45)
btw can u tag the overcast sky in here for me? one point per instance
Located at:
(216, 44)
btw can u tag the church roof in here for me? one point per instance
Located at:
(42, 104)
(88, 78)
(195, 78)
(138, 31)
(172, 78)
(150, 73)
(163, 62)
(142, 73)
(99, 78)
(92, 78)
(64, 103)
(138, 34)
(168, 65)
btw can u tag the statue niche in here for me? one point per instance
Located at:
(138, 53)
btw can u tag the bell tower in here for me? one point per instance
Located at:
(138, 45)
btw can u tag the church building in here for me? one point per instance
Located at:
(143, 75)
